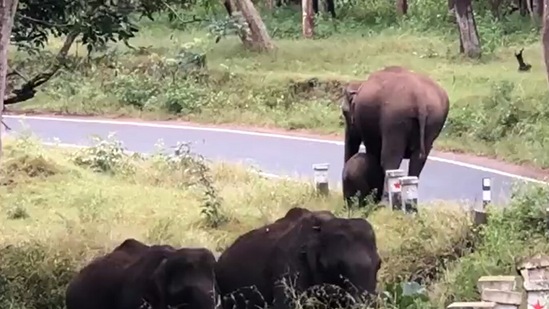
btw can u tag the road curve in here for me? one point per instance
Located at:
(281, 155)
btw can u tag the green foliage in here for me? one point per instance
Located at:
(98, 21)
(505, 115)
(405, 295)
(34, 275)
(211, 201)
(106, 156)
(516, 232)
(171, 85)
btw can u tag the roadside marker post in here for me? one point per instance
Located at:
(409, 187)
(393, 189)
(486, 192)
(321, 178)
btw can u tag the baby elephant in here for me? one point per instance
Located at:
(362, 174)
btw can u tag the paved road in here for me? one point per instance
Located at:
(275, 154)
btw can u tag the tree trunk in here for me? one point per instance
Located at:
(467, 28)
(7, 13)
(530, 8)
(539, 7)
(402, 7)
(308, 19)
(258, 38)
(545, 36)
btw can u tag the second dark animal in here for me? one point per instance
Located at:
(362, 176)
(135, 274)
(304, 248)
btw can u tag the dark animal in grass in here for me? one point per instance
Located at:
(523, 66)
(134, 275)
(304, 248)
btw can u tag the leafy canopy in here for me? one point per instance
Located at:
(98, 21)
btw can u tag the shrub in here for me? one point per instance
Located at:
(107, 156)
(515, 232)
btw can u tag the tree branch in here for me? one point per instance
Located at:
(42, 22)
(27, 91)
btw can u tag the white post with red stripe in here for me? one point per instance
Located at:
(392, 186)
(409, 187)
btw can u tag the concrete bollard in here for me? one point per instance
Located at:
(409, 187)
(535, 275)
(392, 185)
(321, 178)
(486, 192)
(500, 283)
(499, 290)
(496, 292)
(472, 305)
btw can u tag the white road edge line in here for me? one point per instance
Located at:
(252, 133)
(65, 145)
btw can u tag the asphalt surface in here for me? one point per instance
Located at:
(273, 154)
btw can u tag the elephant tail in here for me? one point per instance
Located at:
(422, 119)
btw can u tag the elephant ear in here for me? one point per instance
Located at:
(348, 96)
(347, 106)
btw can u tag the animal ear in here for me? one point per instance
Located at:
(348, 96)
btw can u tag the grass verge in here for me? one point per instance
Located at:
(60, 208)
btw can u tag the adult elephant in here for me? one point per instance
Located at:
(304, 248)
(397, 114)
(135, 274)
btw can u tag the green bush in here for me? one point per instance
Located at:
(517, 231)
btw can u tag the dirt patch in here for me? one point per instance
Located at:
(23, 168)
(459, 158)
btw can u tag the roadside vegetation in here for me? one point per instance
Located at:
(62, 207)
(175, 69)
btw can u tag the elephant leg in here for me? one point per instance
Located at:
(392, 152)
(379, 190)
(347, 193)
(352, 143)
(416, 163)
